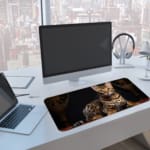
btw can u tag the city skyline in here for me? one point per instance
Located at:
(20, 19)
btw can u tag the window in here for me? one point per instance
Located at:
(19, 21)
(131, 16)
(19, 45)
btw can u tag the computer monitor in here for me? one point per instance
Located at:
(71, 51)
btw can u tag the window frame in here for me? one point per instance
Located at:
(45, 12)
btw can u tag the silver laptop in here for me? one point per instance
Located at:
(16, 117)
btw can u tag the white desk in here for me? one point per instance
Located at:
(92, 136)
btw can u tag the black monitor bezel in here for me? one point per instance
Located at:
(69, 25)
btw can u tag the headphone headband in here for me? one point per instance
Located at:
(122, 34)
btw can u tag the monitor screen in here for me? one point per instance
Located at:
(75, 47)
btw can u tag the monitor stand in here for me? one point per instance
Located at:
(77, 81)
(119, 66)
(81, 81)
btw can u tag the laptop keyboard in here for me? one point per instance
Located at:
(14, 118)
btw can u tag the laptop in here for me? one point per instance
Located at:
(14, 116)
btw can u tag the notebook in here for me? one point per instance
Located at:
(14, 116)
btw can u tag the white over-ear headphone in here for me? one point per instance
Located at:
(126, 54)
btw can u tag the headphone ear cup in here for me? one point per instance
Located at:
(128, 55)
(116, 55)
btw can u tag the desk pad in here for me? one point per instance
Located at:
(82, 106)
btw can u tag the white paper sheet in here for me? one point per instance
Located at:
(20, 82)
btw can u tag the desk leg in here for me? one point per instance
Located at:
(147, 137)
(144, 139)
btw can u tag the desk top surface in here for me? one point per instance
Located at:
(46, 131)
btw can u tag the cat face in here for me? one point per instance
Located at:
(104, 90)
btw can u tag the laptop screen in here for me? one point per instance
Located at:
(7, 97)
